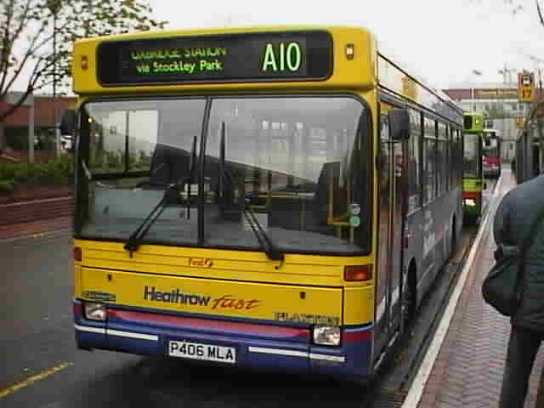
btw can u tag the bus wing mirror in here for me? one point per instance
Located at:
(68, 122)
(399, 124)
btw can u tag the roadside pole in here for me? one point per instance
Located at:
(54, 7)
(57, 135)
(30, 100)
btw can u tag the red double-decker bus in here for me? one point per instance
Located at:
(491, 159)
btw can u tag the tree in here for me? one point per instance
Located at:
(520, 6)
(36, 37)
(540, 11)
(517, 6)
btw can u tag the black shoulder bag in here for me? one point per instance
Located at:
(501, 287)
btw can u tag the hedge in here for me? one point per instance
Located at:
(55, 172)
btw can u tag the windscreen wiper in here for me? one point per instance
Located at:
(269, 248)
(171, 196)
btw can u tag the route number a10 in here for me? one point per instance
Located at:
(282, 58)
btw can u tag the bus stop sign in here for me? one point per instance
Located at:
(526, 86)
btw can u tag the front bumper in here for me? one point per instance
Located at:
(258, 346)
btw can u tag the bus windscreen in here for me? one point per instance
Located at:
(236, 57)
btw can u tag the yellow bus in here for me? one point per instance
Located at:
(275, 197)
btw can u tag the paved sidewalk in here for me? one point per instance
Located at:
(28, 229)
(468, 370)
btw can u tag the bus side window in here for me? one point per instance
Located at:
(429, 158)
(451, 158)
(441, 159)
(459, 158)
(414, 178)
(456, 157)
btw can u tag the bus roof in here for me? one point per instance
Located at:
(221, 30)
(226, 60)
(394, 79)
(233, 60)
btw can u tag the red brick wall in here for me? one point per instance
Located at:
(44, 111)
(27, 211)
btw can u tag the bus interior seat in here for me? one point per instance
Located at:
(169, 165)
(327, 184)
(311, 214)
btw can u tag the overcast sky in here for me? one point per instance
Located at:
(442, 41)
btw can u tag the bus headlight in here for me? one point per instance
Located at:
(470, 202)
(94, 311)
(327, 335)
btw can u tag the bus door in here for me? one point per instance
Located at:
(390, 210)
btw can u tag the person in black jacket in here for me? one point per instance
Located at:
(517, 211)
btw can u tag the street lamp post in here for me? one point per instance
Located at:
(476, 73)
(54, 7)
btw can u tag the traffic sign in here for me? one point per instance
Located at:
(526, 86)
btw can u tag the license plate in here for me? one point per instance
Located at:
(199, 351)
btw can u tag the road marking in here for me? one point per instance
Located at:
(4, 392)
(418, 385)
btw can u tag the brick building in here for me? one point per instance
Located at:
(47, 113)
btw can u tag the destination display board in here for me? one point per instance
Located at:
(226, 58)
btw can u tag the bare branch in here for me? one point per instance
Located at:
(40, 69)
(5, 51)
(7, 43)
(25, 36)
(539, 11)
(30, 53)
(49, 38)
(12, 108)
(43, 84)
(23, 20)
(10, 41)
(37, 73)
